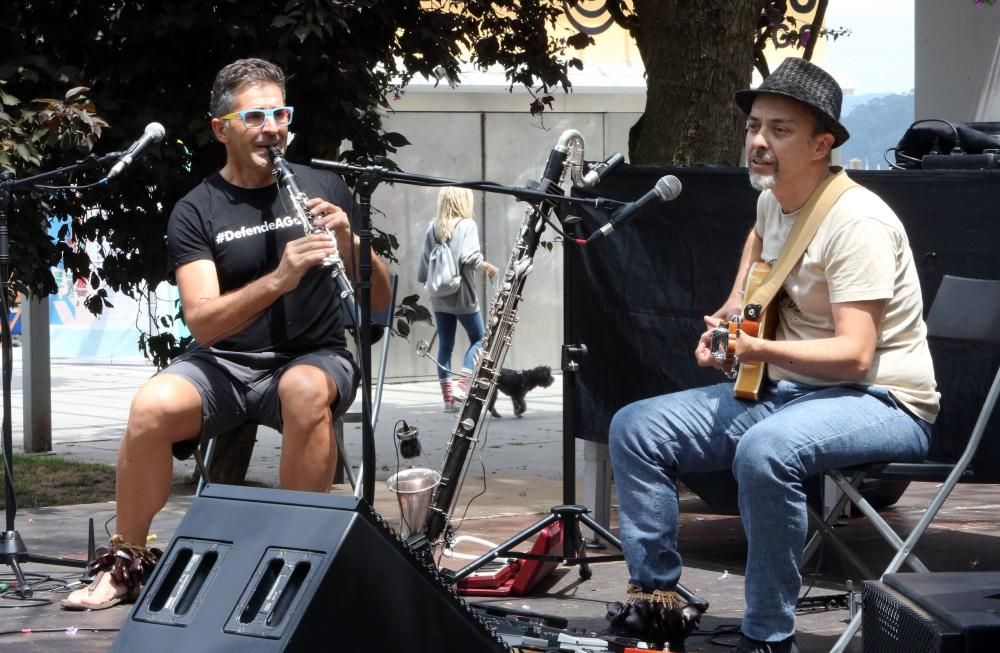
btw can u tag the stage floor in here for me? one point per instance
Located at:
(965, 537)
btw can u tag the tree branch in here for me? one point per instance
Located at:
(815, 29)
(626, 21)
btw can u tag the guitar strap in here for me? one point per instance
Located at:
(800, 235)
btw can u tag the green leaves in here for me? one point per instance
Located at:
(101, 71)
(408, 311)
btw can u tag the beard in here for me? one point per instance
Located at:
(763, 182)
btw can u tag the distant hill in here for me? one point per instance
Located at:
(876, 122)
(852, 102)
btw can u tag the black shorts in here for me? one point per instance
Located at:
(238, 387)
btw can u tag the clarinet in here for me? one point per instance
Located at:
(286, 179)
(565, 157)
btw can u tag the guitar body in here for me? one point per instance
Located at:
(750, 376)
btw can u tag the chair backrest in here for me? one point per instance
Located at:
(968, 310)
(383, 321)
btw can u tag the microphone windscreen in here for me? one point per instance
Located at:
(668, 187)
(155, 131)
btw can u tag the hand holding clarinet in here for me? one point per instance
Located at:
(321, 221)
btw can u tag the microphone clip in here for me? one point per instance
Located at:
(408, 438)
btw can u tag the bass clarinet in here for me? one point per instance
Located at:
(566, 157)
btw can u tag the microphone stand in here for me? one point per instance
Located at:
(568, 514)
(12, 548)
(519, 193)
(369, 177)
(367, 183)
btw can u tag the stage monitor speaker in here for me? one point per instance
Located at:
(258, 570)
(949, 612)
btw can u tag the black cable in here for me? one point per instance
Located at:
(37, 583)
(468, 506)
(31, 602)
(72, 630)
(554, 225)
(917, 161)
(899, 155)
(957, 146)
(713, 637)
(395, 441)
(74, 187)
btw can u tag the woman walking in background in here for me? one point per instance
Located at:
(455, 226)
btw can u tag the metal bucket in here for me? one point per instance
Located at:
(413, 489)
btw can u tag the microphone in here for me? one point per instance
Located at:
(601, 170)
(666, 189)
(409, 440)
(153, 133)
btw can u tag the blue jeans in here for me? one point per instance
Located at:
(446, 326)
(795, 431)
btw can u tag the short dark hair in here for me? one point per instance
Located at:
(240, 73)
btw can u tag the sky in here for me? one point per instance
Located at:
(877, 57)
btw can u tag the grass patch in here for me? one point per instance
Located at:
(47, 480)
(44, 479)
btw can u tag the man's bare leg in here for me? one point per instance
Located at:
(167, 409)
(308, 447)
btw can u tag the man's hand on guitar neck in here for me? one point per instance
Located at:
(732, 306)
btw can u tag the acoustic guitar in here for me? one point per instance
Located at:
(756, 321)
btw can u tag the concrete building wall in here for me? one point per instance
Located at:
(474, 136)
(957, 61)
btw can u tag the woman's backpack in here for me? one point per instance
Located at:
(443, 274)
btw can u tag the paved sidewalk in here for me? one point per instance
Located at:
(90, 406)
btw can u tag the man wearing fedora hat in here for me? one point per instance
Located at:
(849, 376)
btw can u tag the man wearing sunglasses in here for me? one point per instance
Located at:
(266, 317)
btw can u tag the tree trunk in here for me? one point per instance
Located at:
(697, 55)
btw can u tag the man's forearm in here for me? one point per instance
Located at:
(211, 319)
(838, 358)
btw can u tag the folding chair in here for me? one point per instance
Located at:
(381, 332)
(964, 309)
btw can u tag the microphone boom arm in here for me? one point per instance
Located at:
(519, 193)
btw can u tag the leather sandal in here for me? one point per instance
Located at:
(129, 567)
(110, 603)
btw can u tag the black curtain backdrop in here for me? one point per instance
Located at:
(636, 298)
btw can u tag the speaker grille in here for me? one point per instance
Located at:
(891, 623)
(434, 576)
(267, 571)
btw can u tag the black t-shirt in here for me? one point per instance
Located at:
(244, 231)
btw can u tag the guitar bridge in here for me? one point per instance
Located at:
(720, 349)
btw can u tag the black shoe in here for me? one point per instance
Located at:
(748, 645)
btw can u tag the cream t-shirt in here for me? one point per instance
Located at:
(860, 252)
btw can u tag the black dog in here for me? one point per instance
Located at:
(516, 384)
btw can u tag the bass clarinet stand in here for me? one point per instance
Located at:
(569, 514)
